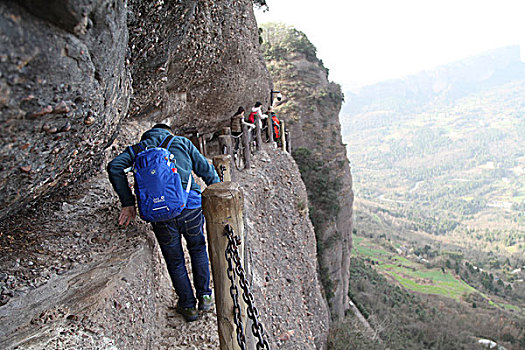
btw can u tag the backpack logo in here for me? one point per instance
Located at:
(158, 185)
(158, 200)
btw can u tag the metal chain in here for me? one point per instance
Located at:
(252, 312)
(222, 169)
(234, 293)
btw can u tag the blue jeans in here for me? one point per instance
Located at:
(188, 224)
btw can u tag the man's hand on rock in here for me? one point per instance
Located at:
(127, 215)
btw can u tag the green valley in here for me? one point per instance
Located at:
(452, 175)
(412, 303)
(438, 164)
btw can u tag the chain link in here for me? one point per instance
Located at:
(234, 293)
(232, 252)
(222, 169)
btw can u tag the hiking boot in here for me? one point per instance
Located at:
(189, 313)
(205, 303)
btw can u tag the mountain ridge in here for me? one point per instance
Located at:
(438, 171)
(444, 83)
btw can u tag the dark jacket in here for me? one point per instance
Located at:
(236, 123)
(187, 156)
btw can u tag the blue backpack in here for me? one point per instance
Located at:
(158, 185)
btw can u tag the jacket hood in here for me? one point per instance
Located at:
(154, 133)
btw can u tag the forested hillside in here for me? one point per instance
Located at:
(439, 173)
(455, 172)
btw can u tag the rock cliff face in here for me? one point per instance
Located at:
(80, 80)
(194, 62)
(68, 74)
(310, 109)
(63, 90)
(282, 254)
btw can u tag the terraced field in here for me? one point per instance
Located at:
(410, 274)
(417, 276)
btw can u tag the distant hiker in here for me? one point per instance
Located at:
(236, 122)
(256, 111)
(236, 125)
(276, 124)
(182, 157)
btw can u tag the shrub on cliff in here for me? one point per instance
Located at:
(322, 184)
(279, 40)
(323, 188)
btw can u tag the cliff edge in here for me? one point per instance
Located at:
(310, 108)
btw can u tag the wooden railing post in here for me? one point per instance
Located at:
(246, 143)
(224, 160)
(258, 137)
(194, 138)
(225, 144)
(222, 204)
(283, 136)
(269, 128)
(288, 142)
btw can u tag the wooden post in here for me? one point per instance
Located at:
(222, 204)
(258, 137)
(194, 138)
(246, 143)
(223, 161)
(228, 131)
(283, 136)
(288, 143)
(269, 128)
(225, 144)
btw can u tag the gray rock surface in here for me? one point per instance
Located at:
(85, 282)
(64, 90)
(310, 109)
(195, 62)
(76, 279)
(281, 249)
(70, 70)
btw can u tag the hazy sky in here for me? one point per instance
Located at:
(365, 41)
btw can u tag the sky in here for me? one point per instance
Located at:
(366, 41)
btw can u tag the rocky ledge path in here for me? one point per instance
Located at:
(70, 277)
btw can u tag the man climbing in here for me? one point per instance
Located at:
(257, 111)
(189, 223)
(252, 118)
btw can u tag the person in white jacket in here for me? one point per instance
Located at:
(257, 111)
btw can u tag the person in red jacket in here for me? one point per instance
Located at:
(276, 124)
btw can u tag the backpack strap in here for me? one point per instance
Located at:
(166, 143)
(136, 149)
